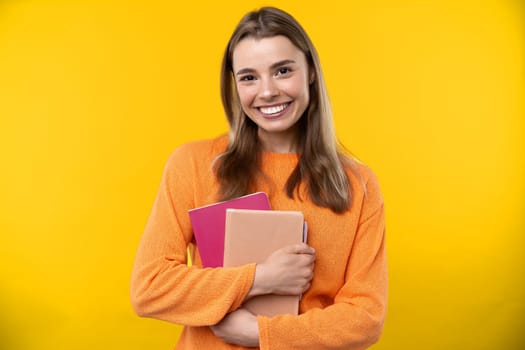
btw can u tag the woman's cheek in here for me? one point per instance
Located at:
(246, 95)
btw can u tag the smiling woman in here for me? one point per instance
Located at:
(281, 142)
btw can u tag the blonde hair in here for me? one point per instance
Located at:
(321, 164)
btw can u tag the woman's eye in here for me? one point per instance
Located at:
(247, 78)
(283, 70)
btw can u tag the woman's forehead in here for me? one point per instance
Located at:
(254, 51)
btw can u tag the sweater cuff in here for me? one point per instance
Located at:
(245, 288)
(264, 333)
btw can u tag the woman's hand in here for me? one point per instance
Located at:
(238, 327)
(288, 271)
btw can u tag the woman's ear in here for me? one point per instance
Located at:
(312, 77)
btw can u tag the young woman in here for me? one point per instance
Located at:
(282, 142)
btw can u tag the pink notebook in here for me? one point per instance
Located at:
(209, 222)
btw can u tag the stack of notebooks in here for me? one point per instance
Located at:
(245, 230)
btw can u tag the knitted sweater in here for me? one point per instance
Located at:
(346, 303)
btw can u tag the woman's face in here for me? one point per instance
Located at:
(272, 79)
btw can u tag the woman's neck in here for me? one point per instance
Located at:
(278, 142)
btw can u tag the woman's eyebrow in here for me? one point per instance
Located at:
(245, 71)
(273, 66)
(281, 63)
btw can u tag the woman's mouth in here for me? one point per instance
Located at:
(273, 111)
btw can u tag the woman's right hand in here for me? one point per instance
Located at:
(288, 271)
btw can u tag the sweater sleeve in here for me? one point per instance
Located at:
(355, 319)
(163, 286)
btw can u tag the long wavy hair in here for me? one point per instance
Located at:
(321, 164)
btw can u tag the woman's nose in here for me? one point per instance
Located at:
(268, 88)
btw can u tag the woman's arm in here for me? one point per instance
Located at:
(355, 319)
(162, 285)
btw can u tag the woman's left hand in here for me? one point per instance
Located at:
(238, 327)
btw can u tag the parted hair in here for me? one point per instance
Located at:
(321, 165)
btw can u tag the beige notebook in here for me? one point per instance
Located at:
(253, 235)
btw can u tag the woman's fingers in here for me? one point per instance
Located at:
(299, 248)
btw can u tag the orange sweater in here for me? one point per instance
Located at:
(345, 305)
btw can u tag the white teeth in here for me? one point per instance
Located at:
(273, 109)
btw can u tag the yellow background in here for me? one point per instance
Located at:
(94, 95)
